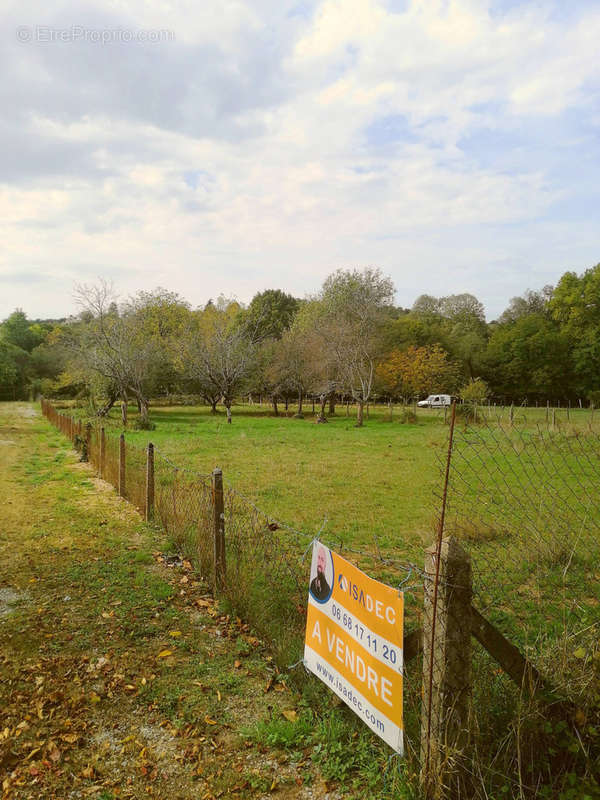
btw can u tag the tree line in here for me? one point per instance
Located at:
(348, 341)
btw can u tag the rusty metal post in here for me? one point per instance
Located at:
(218, 530)
(102, 460)
(121, 486)
(150, 482)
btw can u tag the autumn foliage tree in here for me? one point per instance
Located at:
(417, 371)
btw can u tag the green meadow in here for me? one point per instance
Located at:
(360, 485)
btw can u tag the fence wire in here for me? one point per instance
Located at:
(523, 502)
(183, 505)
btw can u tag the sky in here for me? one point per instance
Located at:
(228, 147)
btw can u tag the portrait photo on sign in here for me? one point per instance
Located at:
(321, 573)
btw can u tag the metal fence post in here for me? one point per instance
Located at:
(150, 482)
(121, 486)
(218, 530)
(446, 669)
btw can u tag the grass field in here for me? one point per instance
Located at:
(380, 483)
(356, 483)
(123, 678)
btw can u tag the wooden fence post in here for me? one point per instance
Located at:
(150, 483)
(218, 530)
(446, 669)
(121, 486)
(87, 443)
(102, 464)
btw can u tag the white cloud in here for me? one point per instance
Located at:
(296, 176)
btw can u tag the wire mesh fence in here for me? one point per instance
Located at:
(522, 503)
(525, 505)
(110, 471)
(135, 472)
(523, 515)
(183, 505)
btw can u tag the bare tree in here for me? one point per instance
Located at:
(218, 350)
(354, 306)
(120, 344)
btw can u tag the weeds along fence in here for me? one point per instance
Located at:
(502, 620)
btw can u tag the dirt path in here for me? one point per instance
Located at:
(120, 677)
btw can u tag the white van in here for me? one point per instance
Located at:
(436, 401)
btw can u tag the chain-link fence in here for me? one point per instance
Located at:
(504, 606)
(523, 514)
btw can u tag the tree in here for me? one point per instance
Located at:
(528, 358)
(474, 391)
(530, 303)
(121, 344)
(298, 359)
(10, 369)
(355, 305)
(219, 348)
(271, 313)
(575, 306)
(419, 371)
(18, 331)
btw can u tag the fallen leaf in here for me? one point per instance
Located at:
(53, 752)
(70, 738)
(165, 654)
(237, 663)
(290, 715)
(210, 721)
(174, 634)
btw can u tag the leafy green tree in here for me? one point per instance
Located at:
(18, 331)
(529, 358)
(575, 306)
(271, 313)
(355, 305)
(10, 370)
(474, 391)
(530, 303)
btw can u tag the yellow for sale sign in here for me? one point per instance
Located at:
(353, 643)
